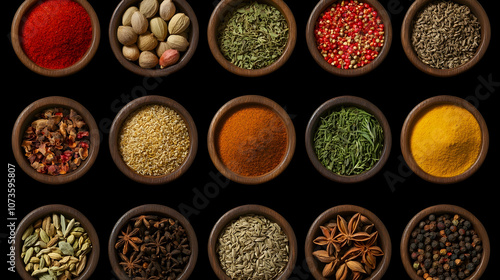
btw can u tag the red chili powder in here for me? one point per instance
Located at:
(55, 34)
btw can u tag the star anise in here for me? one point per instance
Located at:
(348, 230)
(328, 239)
(369, 251)
(127, 239)
(158, 243)
(143, 219)
(130, 265)
(330, 260)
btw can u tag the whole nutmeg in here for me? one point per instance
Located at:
(169, 57)
(159, 28)
(131, 52)
(178, 42)
(178, 23)
(127, 15)
(149, 8)
(147, 42)
(148, 59)
(126, 35)
(167, 9)
(139, 22)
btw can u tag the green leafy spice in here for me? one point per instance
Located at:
(253, 35)
(348, 141)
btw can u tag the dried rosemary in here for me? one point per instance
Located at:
(348, 141)
(253, 35)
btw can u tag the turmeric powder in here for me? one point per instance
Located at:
(446, 140)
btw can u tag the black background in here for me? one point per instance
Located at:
(300, 193)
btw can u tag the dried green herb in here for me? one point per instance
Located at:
(348, 141)
(253, 35)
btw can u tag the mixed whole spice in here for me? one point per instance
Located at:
(445, 246)
(57, 141)
(55, 248)
(153, 247)
(348, 250)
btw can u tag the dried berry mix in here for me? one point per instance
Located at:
(57, 141)
(445, 247)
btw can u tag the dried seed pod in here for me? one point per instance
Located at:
(127, 15)
(167, 9)
(131, 52)
(178, 42)
(126, 36)
(149, 8)
(159, 28)
(147, 42)
(147, 59)
(139, 22)
(178, 23)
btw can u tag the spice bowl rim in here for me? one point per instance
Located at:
(67, 211)
(19, 17)
(359, 103)
(217, 16)
(122, 116)
(442, 209)
(132, 66)
(241, 102)
(248, 209)
(318, 58)
(416, 113)
(27, 116)
(314, 231)
(406, 30)
(160, 210)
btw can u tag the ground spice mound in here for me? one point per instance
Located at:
(252, 141)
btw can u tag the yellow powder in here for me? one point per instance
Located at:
(446, 141)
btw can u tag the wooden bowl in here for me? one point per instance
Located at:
(70, 213)
(116, 20)
(407, 29)
(413, 117)
(25, 119)
(313, 49)
(220, 116)
(226, 6)
(153, 209)
(359, 103)
(437, 210)
(384, 240)
(237, 212)
(19, 17)
(132, 107)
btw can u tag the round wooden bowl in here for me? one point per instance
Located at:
(384, 240)
(215, 126)
(162, 211)
(407, 30)
(69, 213)
(234, 214)
(226, 6)
(133, 66)
(415, 115)
(437, 210)
(132, 107)
(19, 17)
(25, 119)
(359, 103)
(313, 47)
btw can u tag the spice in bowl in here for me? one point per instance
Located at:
(349, 34)
(445, 246)
(55, 34)
(348, 250)
(445, 34)
(446, 140)
(57, 141)
(154, 140)
(153, 247)
(252, 140)
(348, 141)
(55, 247)
(253, 35)
(252, 247)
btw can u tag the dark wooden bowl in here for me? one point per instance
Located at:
(235, 213)
(407, 29)
(384, 240)
(153, 209)
(415, 114)
(437, 210)
(68, 212)
(313, 49)
(19, 17)
(25, 119)
(226, 6)
(132, 107)
(359, 103)
(116, 20)
(220, 116)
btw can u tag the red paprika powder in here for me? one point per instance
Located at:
(55, 34)
(252, 141)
